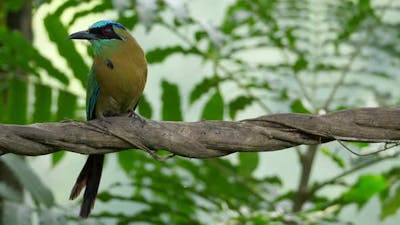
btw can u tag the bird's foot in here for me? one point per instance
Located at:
(154, 155)
(83, 124)
(135, 116)
(102, 127)
(105, 122)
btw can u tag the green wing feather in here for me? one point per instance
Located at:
(92, 93)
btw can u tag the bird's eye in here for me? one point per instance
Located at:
(107, 32)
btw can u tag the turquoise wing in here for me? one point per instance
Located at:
(92, 94)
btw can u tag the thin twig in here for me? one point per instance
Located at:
(352, 58)
(363, 165)
(246, 90)
(369, 153)
(307, 160)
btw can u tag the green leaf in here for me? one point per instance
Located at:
(50, 217)
(291, 38)
(17, 101)
(158, 55)
(248, 162)
(298, 107)
(364, 6)
(42, 106)
(300, 64)
(366, 187)
(28, 58)
(13, 6)
(360, 11)
(203, 87)
(128, 21)
(62, 8)
(9, 193)
(100, 8)
(257, 219)
(283, 96)
(359, 144)
(171, 102)
(40, 193)
(144, 108)
(214, 108)
(199, 35)
(391, 205)
(14, 213)
(66, 105)
(126, 160)
(66, 48)
(56, 157)
(3, 107)
(47, 65)
(238, 104)
(335, 158)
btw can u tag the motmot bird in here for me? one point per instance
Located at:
(115, 84)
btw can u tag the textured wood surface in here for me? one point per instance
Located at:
(202, 139)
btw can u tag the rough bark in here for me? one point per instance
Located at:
(203, 139)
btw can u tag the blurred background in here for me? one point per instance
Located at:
(220, 60)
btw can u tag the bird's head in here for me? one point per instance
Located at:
(103, 35)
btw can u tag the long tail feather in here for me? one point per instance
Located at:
(80, 182)
(89, 176)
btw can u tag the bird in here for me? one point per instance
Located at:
(115, 84)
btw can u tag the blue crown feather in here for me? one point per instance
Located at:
(103, 23)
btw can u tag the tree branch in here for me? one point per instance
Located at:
(306, 166)
(203, 139)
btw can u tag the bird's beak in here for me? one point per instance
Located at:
(82, 35)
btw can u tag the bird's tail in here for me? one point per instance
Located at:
(90, 177)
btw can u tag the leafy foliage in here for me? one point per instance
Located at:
(364, 189)
(145, 108)
(57, 33)
(214, 109)
(203, 87)
(298, 107)
(158, 55)
(316, 56)
(171, 191)
(238, 104)
(40, 193)
(171, 101)
(14, 212)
